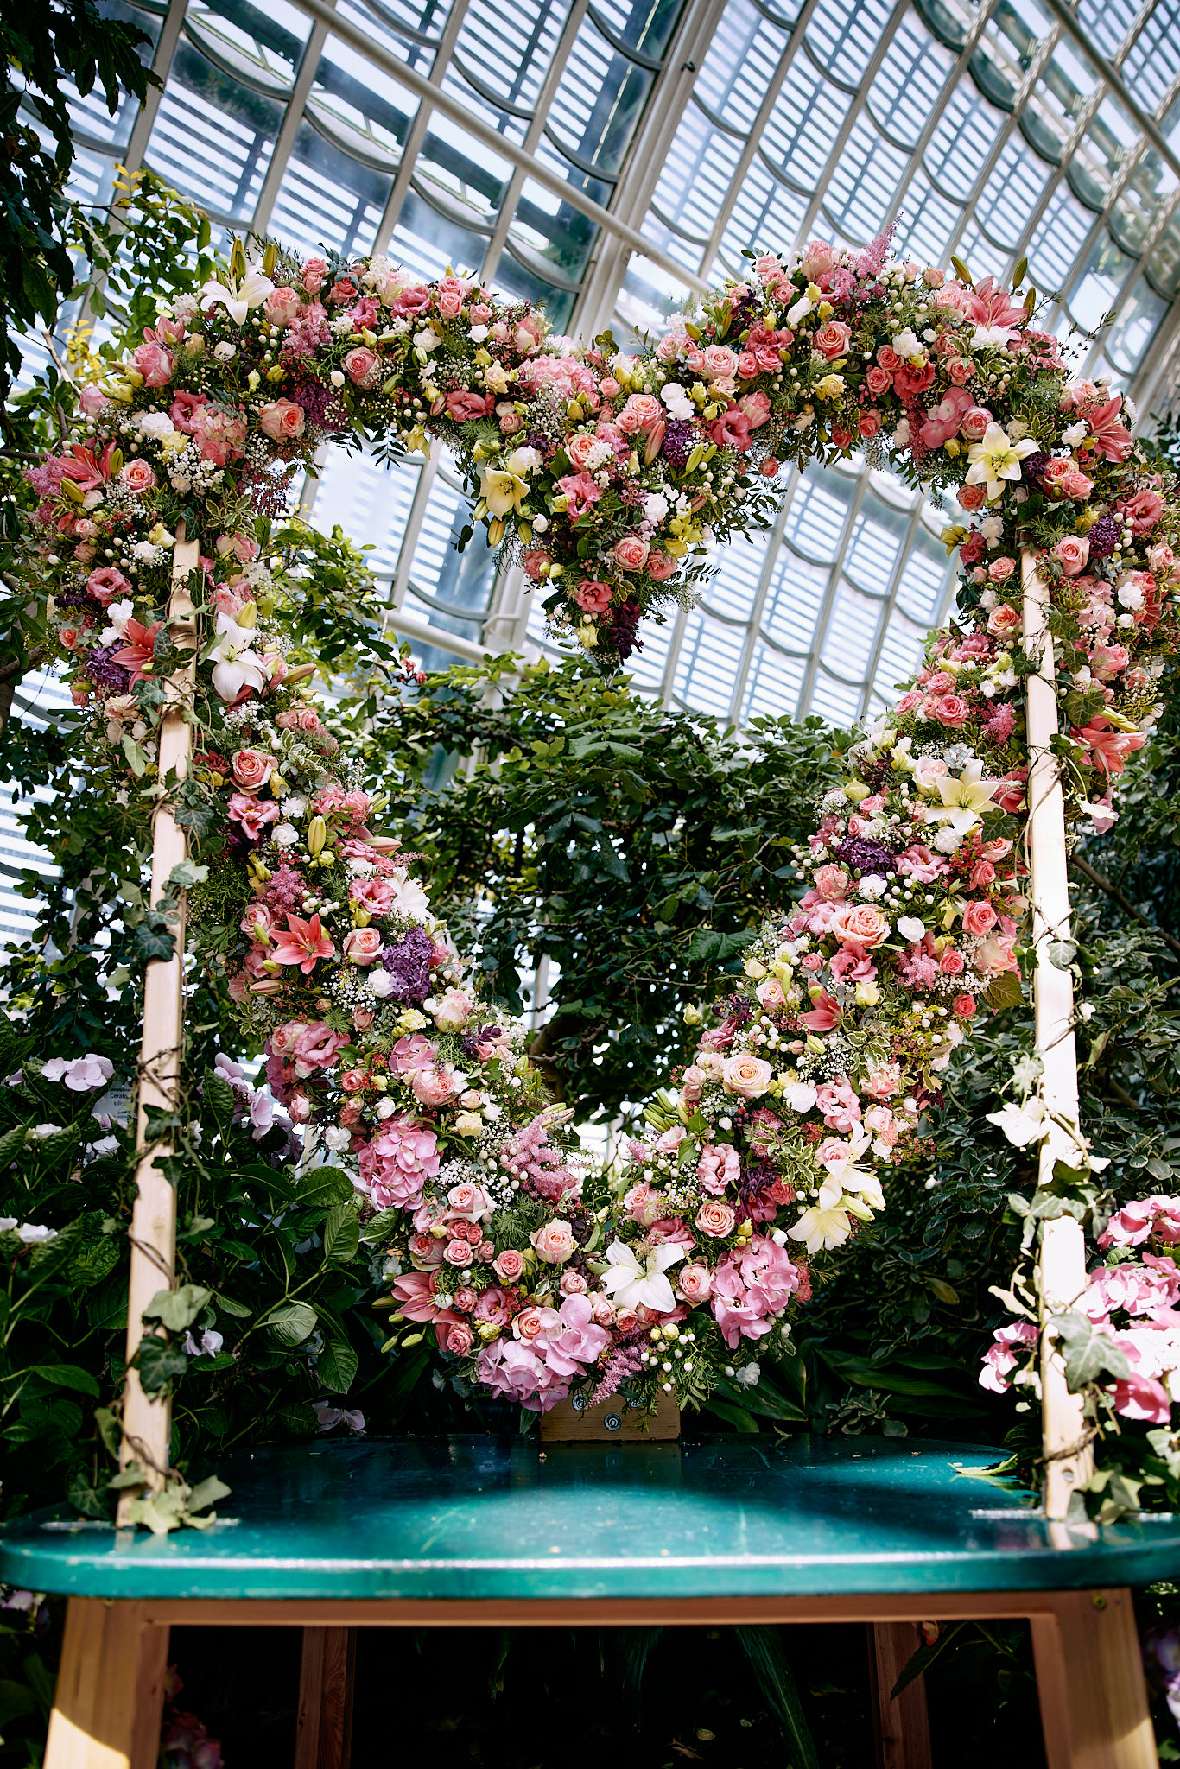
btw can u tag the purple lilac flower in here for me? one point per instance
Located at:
(866, 856)
(408, 963)
(104, 672)
(680, 438)
(1104, 537)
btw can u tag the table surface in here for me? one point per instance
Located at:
(493, 1518)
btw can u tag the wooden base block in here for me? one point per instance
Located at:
(110, 1688)
(611, 1421)
(1090, 1681)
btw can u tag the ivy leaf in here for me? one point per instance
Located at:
(177, 1309)
(160, 1363)
(1004, 992)
(186, 874)
(1088, 1354)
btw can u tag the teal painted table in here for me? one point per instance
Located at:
(479, 1530)
(482, 1519)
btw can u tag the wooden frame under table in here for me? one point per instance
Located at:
(1092, 1691)
(1089, 1673)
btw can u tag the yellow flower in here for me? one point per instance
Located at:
(830, 387)
(503, 492)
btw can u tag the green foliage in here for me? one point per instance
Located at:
(633, 848)
(47, 46)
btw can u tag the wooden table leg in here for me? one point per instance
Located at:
(323, 1730)
(110, 1688)
(1091, 1685)
(901, 1727)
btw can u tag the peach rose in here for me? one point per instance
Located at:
(861, 925)
(746, 1075)
(715, 1218)
(282, 420)
(251, 768)
(631, 553)
(509, 1265)
(553, 1242)
(362, 366)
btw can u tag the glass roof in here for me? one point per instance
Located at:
(608, 158)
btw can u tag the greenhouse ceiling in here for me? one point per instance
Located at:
(609, 159)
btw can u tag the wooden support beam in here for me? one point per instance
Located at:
(147, 1418)
(1062, 1254)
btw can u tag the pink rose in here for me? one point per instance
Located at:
(641, 412)
(974, 423)
(281, 306)
(661, 566)
(878, 381)
(509, 1265)
(631, 553)
(154, 363)
(694, 1282)
(457, 1338)
(282, 420)
(469, 1200)
(593, 596)
(979, 918)
(948, 709)
(832, 339)
(972, 497)
(363, 945)
(715, 1218)
(452, 1010)
(137, 476)
(1073, 551)
(554, 1242)
(314, 273)
(362, 366)
(435, 1086)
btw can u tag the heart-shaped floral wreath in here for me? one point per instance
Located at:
(610, 476)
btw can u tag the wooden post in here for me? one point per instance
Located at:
(327, 1675)
(1062, 1253)
(147, 1419)
(901, 1724)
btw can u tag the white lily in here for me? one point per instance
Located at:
(631, 1284)
(237, 296)
(996, 458)
(235, 665)
(826, 1224)
(963, 797)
